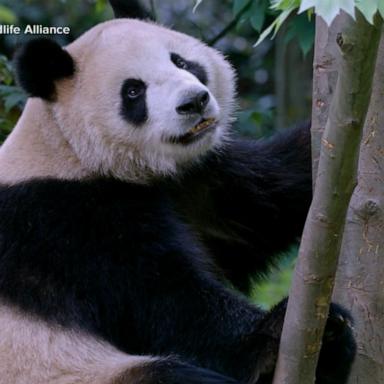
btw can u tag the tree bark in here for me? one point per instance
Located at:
(325, 65)
(360, 282)
(336, 178)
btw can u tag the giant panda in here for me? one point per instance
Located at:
(131, 219)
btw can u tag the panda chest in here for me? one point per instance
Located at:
(70, 243)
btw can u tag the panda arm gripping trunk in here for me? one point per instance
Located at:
(97, 243)
(249, 201)
(120, 263)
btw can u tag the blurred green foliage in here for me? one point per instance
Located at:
(12, 98)
(79, 15)
(268, 292)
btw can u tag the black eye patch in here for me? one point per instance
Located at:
(134, 103)
(191, 66)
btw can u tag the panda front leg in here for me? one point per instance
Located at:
(35, 352)
(220, 330)
(338, 347)
(248, 202)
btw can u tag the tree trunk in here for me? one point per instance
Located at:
(336, 178)
(325, 65)
(360, 282)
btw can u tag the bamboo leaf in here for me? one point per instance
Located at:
(258, 13)
(275, 26)
(307, 4)
(238, 5)
(265, 33)
(198, 2)
(368, 8)
(284, 5)
(329, 9)
(381, 8)
(303, 30)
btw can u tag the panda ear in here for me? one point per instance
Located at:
(39, 63)
(129, 8)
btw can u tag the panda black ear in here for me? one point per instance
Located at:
(129, 8)
(39, 63)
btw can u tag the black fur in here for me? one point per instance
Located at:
(39, 63)
(134, 109)
(191, 66)
(329, 369)
(129, 8)
(172, 371)
(250, 202)
(122, 262)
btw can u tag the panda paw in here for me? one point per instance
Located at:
(337, 353)
(339, 322)
(339, 348)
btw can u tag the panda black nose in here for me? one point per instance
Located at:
(193, 104)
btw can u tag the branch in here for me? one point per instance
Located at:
(359, 285)
(318, 257)
(231, 25)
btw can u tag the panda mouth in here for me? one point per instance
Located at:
(198, 131)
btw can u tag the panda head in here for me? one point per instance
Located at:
(133, 99)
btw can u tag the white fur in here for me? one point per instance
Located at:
(32, 352)
(93, 137)
(82, 135)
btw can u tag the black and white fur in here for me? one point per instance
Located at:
(121, 230)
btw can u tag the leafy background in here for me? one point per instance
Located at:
(274, 78)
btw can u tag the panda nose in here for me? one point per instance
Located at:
(193, 104)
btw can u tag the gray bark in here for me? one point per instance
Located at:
(336, 178)
(360, 282)
(325, 65)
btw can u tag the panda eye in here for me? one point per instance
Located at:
(179, 61)
(133, 92)
(134, 88)
(192, 67)
(133, 106)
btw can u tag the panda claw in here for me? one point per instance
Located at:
(339, 321)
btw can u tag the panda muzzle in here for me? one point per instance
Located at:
(195, 133)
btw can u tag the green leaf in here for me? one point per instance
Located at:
(303, 30)
(7, 16)
(238, 5)
(284, 5)
(100, 6)
(257, 21)
(12, 96)
(198, 2)
(348, 6)
(306, 42)
(381, 8)
(307, 4)
(275, 26)
(6, 76)
(265, 33)
(329, 9)
(368, 8)
(258, 13)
